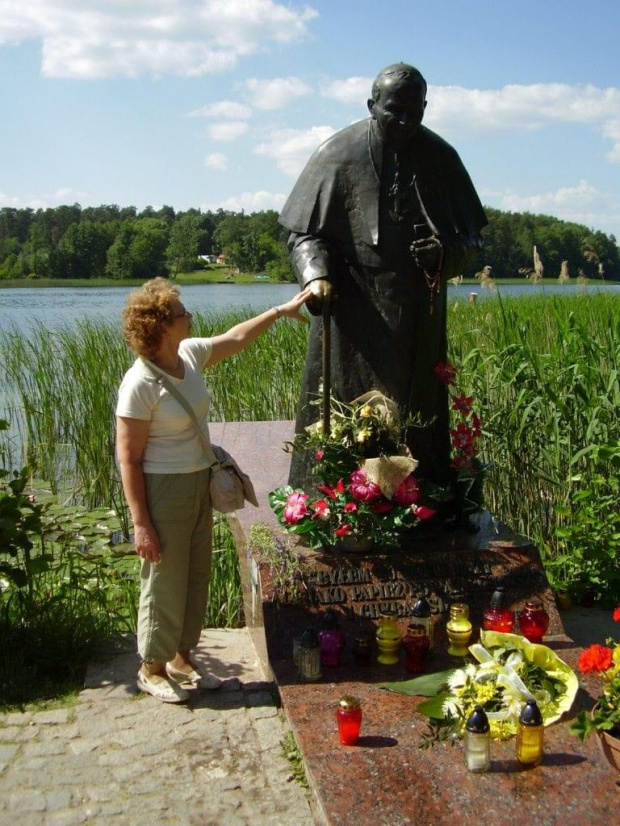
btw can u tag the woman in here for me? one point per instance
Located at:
(165, 476)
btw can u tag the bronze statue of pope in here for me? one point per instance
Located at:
(383, 215)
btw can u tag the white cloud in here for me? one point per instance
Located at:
(223, 109)
(583, 203)
(216, 160)
(275, 93)
(249, 202)
(100, 38)
(455, 110)
(351, 90)
(291, 148)
(227, 131)
(63, 195)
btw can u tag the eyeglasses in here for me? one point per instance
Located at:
(184, 314)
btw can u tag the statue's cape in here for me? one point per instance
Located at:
(337, 194)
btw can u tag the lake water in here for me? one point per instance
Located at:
(59, 306)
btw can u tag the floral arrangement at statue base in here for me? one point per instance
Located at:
(507, 673)
(604, 719)
(368, 492)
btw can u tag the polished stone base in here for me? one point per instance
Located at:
(387, 778)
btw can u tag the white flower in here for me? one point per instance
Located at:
(451, 707)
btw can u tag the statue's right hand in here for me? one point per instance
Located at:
(321, 292)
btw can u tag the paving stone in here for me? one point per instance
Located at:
(16, 718)
(44, 749)
(58, 800)
(104, 794)
(269, 736)
(262, 712)
(57, 717)
(27, 801)
(8, 751)
(80, 746)
(8, 734)
(68, 818)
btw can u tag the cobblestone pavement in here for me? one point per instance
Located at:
(120, 757)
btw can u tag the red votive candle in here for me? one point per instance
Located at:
(417, 645)
(349, 717)
(533, 621)
(497, 617)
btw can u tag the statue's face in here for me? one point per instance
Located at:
(398, 111)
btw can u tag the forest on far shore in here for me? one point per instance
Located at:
(108, 241)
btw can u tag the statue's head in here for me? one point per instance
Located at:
(398, 102)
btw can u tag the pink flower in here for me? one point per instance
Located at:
(319, 455)
(350, 507)
(362, 489)
(445, 372)
(343, 530)
(422, 512)
(321, 509)
(295, 508)
(408, 492)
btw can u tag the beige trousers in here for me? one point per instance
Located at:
(173, 593)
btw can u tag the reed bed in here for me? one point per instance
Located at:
(543, 372)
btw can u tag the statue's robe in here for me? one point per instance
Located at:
(384, 336)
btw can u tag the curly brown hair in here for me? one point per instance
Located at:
(146, 313)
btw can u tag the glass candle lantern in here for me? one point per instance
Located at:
(331, 640)
(534, 621)
(497, 617)
(478, 741)
(530, 735)
(309, 657)
(417, 646)
(362, 649)
(459, 630)
(421, 612)
(388, 639)
(349, 717)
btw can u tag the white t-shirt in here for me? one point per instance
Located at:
(173, 444)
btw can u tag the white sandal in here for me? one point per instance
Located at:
(206, 682)
(164, 690)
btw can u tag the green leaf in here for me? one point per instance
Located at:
(433, 707)
(425, 686)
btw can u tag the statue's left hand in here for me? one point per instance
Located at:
(427, 254)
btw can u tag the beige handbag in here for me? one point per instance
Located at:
(229, 487)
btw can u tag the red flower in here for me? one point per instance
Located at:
(617, 615)
(595, 658)
(422, 512)
(343, 530)
(350, 507)
(382, 506)
(445, 372)
(362, 489)
(463, 439)
(460, 463)
(321, 509)
(319, 455)
(462, 403)
(295, 508)
(408, 492)
(340, 486)
(332, 493)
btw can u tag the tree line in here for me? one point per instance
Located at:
(121, 243)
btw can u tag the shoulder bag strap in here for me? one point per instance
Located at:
(164, 380)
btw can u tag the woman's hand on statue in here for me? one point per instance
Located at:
(291, 309)
(321, 292)
(147, 543)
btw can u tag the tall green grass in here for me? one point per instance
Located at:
(543, 372)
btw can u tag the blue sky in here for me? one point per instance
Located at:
(209, 103)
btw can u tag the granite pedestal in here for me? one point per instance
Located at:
(387, 778)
